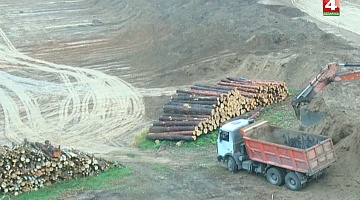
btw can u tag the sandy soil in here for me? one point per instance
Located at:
(91, 74)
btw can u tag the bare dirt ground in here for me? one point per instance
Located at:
(91, 74)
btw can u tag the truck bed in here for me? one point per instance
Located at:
(293, 150)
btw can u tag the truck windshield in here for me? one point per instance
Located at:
(224, 136)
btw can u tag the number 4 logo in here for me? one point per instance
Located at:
(331, 7)
(331, 4)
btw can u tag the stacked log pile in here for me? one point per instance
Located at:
(30, 166)
(203, 108)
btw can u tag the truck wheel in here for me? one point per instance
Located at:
(231, 164)
(292, 181)
(275, 176)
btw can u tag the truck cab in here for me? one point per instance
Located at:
(284, 156)
(230, 144)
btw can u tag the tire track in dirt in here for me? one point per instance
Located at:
(7, 41)
(86, 107)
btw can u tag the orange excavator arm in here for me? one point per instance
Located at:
(327, 75)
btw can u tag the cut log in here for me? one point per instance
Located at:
(171, 103)
(186, 110)
(200, 92)
(156, 136)
(247, 115)
(160, 129)
(237, 84)
(175, 133)
(194, 102)
(193, 97)
(176, 123)
(227, 88)
(195, 119)
(205, 88)
(184, 115)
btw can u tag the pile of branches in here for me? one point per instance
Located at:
(33, 165)
(203, 108)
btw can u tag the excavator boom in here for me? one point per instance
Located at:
(327, 75)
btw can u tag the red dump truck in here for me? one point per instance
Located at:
(282, 155)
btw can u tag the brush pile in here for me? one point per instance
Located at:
(191, 113)
(30, 166)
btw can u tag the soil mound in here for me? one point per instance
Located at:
(345, 134)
